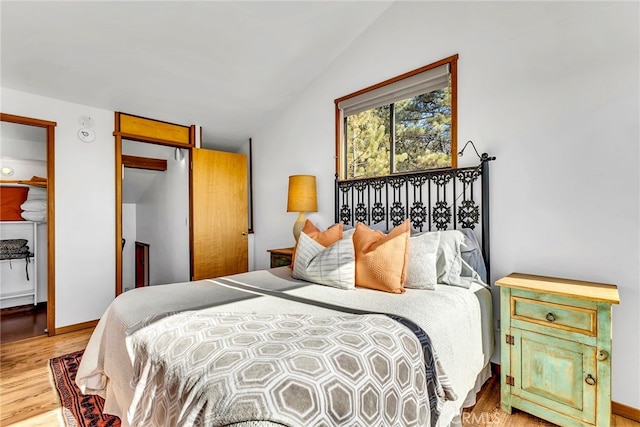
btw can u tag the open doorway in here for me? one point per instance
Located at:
(155, 215)
(26, 228)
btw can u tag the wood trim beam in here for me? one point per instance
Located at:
(147, 163)
(453, 72)
(119, 173)
(133, 137)
(625, 411)
(77, 327)
(21, 120)
(149, 130)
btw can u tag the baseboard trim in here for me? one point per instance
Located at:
(76, 327)
(625, 411)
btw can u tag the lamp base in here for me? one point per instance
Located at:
(298, 226)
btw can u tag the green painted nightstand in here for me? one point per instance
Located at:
(556, 348)
(280, 257)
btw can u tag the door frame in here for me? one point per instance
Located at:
(144, 248)
(142, 129)
(51, 276)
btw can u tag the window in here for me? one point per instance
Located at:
(404, 124)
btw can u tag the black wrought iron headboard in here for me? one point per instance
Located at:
(432, 200)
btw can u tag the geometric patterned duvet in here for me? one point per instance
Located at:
(209, 369)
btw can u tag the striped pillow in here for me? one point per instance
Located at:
(333, 265)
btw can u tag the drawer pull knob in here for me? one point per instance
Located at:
(602, 355)
(551, 317)
(590, 380)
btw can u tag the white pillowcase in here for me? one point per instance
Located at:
(34, 216)
(348, 234)
(449, 262)
(334, 265)
(421, 268)
(34, 205)
(37, 193)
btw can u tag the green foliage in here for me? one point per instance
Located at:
(422, 136)
(368, 145)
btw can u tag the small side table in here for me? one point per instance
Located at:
(556, 348)
(280, 257)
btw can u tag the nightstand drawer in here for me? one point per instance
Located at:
(281, 257)
(558, 316)
(280, 260)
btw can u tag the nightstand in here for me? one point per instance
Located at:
(280, 257)
(556, 348)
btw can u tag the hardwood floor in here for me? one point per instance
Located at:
(22, 322)
(28, 398)
(27, 395)
(487, 412)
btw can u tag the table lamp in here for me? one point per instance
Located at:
(302, 198)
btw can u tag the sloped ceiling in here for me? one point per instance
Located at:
(228, 66)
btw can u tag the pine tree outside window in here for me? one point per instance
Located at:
(404, 124)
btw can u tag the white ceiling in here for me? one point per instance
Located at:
(228, 66)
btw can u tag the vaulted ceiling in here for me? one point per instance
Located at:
(228, 66)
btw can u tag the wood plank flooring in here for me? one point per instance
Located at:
(22, 322)
(28, 398)
(27, 395)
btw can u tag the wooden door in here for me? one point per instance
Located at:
(142, 264)
(219, 222)
(550, 372)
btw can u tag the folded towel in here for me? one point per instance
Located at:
(8, 244)
(34, 216)
(34, 205)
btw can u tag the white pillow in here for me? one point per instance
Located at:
(333, 266)
(34, 205)
(449, 263)
(37, 193)
(421, 268)
(348, 233)
(34, 216)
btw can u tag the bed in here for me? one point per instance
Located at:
(282, 347)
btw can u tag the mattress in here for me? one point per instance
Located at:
(458, 321)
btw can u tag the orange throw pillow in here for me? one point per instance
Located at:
(381, 259)
(10, 200)
(325, 238)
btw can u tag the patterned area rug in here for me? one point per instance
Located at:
(78, 410)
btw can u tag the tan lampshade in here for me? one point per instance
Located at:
(302, 194)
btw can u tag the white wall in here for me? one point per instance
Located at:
(129, 250)
(84, 200)
(551, 89)
(162, 217)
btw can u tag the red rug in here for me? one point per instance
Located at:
(78, 410)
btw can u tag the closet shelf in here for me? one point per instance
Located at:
(35, 181)
(28, 288)
(17, 294)
(17, 259)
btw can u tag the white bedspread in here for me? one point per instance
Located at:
(458, 321)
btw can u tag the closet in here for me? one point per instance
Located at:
(26, 234)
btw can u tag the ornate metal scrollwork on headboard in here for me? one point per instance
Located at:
(432, 200)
